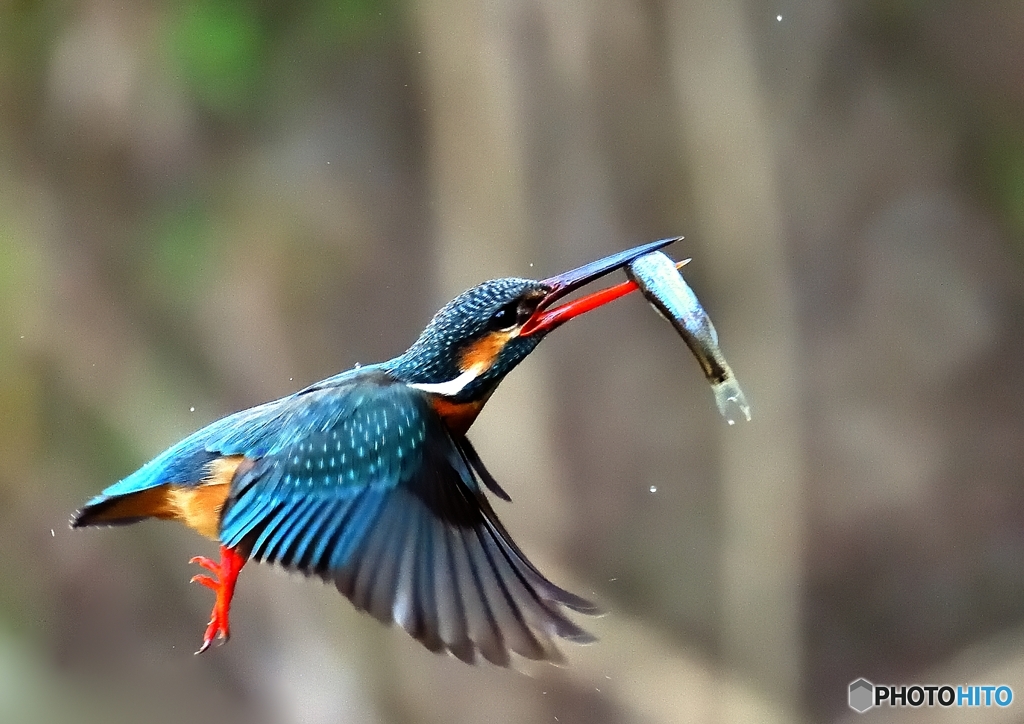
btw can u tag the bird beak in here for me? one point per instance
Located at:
(545, 318)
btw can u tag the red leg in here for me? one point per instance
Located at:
(222, 582)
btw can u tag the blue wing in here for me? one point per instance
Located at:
(254, 432)
(364, 485)
(358, 480)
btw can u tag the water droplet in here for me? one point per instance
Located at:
(654, 488)
(358, 365)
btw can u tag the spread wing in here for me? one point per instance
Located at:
(363, 485)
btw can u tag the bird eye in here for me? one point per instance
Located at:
(506, 317)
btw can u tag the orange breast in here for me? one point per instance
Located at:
(457, 416)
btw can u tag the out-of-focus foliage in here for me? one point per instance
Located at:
(1003, 163)
(218, 47)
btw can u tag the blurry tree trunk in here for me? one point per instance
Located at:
(726, 140)
(476, 163)
(478, 193)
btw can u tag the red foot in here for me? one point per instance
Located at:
(222, 582)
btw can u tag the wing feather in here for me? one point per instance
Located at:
(284, 536)
(371, 561)
(280, 516)
(370, 490)
(362, 517)
(506, 592)
(237, 523)
(388, 585)
(330, 532)
(301, 556)
(449, 597)
(478, 623)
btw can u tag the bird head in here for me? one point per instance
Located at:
(478, 337)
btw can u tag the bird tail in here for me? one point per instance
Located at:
(144, 493)
(121, 509)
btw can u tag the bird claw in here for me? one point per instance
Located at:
(217, 628)
(222, 582)
(207, 581)
(211, 565)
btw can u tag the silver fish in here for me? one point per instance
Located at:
(661, 282)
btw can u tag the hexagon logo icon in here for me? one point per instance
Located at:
(862, 695)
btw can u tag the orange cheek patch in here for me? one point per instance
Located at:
(481, 354)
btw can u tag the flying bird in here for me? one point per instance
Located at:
(367, 480)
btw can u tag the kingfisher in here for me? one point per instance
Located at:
(367, 480)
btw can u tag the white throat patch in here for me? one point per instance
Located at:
(451, 387)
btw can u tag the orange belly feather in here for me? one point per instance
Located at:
(458, 416)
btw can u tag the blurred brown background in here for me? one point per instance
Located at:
(209, 203)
